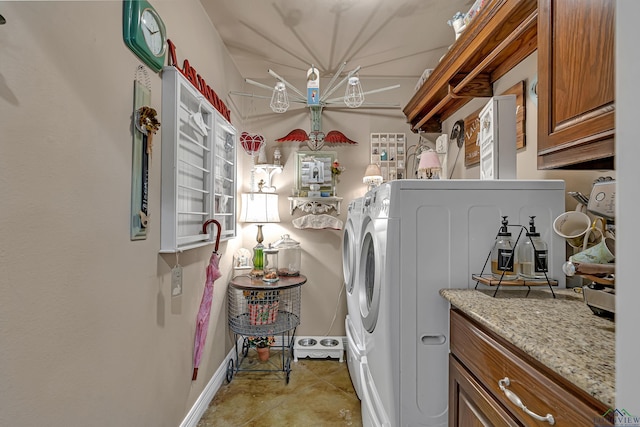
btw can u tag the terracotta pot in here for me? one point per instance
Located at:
(263, 353)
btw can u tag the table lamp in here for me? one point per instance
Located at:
(259, 208)
(372, 176)
(429, 164)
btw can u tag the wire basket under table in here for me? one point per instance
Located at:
(263, 309)
(263, 312)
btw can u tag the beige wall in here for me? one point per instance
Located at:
(89, 332)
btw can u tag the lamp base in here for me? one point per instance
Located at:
(258, 257)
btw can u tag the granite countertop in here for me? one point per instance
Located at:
(561, 333)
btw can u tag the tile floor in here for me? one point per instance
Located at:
(319, 393)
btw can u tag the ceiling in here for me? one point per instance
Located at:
(387, 38)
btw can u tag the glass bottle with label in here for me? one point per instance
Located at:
(532, 254)
(504, 263)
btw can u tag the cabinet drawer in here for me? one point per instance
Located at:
(491, 359)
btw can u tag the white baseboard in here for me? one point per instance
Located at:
(202, 402)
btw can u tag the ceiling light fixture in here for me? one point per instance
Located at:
(279, 98)
(313, 97)
(354, 97)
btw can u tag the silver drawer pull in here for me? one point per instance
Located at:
(503, 384)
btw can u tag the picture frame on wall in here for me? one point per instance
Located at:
(314, 167)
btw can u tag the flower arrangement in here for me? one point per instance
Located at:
(261, 342)
(336, 169)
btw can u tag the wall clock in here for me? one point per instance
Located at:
(144, 32)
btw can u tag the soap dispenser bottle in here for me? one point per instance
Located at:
(532, 254)
(503, 256)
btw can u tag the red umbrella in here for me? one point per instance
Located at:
(202, 322)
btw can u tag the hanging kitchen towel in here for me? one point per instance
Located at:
(318, 222)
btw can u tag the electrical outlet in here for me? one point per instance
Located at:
(442, 143)
(176, 281)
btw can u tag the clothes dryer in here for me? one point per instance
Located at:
(418, 237)
(353, 324)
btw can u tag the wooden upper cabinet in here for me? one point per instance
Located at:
(576, 89)
(501, 35)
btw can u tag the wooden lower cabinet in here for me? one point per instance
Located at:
(470, 404)
(480, 362)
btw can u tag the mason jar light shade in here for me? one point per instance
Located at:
(353, 96)
(279, 98)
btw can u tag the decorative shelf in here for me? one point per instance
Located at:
(315, 205)
(502, 34)
(269, 170)
(388, 152)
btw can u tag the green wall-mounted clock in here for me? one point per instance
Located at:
(144, 32)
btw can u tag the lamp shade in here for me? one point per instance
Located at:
(372, 176)
(429, 161)
(259, 208)
(372, 173)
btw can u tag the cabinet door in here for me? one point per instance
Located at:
(470, 405)
(576, 89)
(224, 173)
(187, 142)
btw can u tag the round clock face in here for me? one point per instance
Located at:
(153, 33)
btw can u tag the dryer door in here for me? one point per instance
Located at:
(370, 267)
(349, 244)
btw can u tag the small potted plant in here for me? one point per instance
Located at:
(262, 345)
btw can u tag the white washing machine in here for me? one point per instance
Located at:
(420, 236)
(353, 323)
(351, 249)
